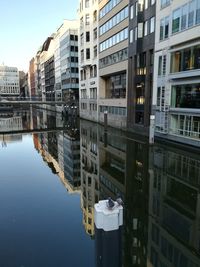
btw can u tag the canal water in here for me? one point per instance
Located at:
(53, 171)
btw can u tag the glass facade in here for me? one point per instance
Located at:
(140, 102)
(107, 8)
(123, 14)
(187, 126)
(186, 16)
(185, 59)
(116, 86)
(114, 110)
(186, 96)
(115, 39)
(113, 58)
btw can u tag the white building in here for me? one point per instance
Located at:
(9, 81)
(176, 97)
(88, 59)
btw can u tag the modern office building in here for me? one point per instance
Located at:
(140, 69)
(113, 61)
(9, 81)
(176, 99)
(68, 47)
(88, 59)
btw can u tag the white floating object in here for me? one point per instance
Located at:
(108, 219)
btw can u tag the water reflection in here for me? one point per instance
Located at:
(160, 186)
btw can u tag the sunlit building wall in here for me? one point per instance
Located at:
(69, 62)
(176, 96)
(47, 51)
(9, 81)
(38, 89)
(113, 64)
(88, 59)
(32, 77)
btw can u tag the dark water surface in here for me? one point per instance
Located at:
(54, 170)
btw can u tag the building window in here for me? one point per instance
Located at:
(87, 3)
(141, 64)
(164, 28)
(176, 20)
(115, 39)
(123, 14)
(116, 86)
(162, 65)
(82, 55)
(146, 4)
(187, 126)
(93, 93)
(140, 100)
(113, 58)
(82, 39)
(198, 12)
(140, 5)
(185, 59)
(87, 53)
(95, 33)
(191, 16)
(140, 30)
(87, 19)
(186, 96)
(131, 36)
(146, 27)
(135, 33)
(113, 110)
(95, 51)
(87, 36)
(152, 24)
(131, 11)
(164, 3)
(184, 17)
(109, 6)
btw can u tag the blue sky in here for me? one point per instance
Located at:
(25, 24)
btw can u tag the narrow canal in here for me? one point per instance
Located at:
(53, 171)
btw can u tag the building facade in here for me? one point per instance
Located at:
(88, 59)
(113, 63)
(176, 99)
(140, 69)
(9, 81)
(68, 46)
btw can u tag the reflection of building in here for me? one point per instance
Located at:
(112, 161)
(136, 204)
(176, 97)
(13, 123)
(71, 153)
(174, 208)
(89, 172)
